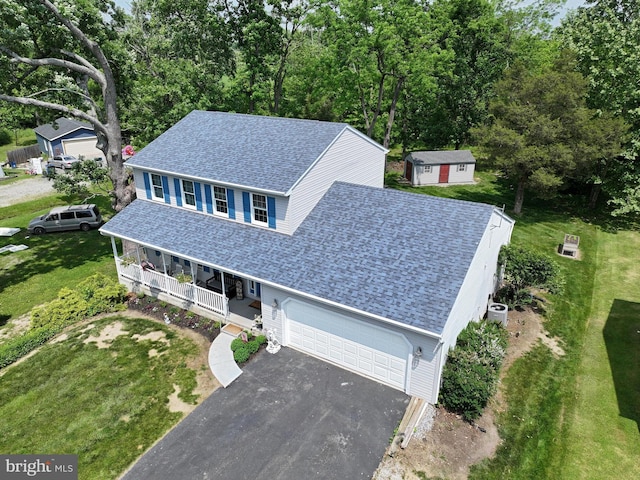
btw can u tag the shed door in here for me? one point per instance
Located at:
(444, 174)
(408, 170)
(85, 147)
(351, 344)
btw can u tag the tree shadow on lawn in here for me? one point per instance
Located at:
(51, 251)
(622, 338)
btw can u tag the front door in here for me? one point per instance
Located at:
(444, 174)
(254, 289)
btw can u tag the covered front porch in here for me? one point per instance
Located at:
(201, 288)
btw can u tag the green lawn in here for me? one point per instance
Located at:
(603, 439)
(107, 405)
(34, 276)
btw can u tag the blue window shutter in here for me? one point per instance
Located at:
(176, 183)
(147, 184)
(196, 187)
(165, 189)
(231, 200)
(246, 205)
(257, 289)
(271, 211)
(207, 198)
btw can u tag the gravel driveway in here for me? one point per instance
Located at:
(28, 189)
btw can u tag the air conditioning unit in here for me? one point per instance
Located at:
(498, 312)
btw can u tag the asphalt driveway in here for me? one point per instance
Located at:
(288, 416)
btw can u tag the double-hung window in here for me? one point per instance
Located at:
(462, 167)
(156, 183)
(188, 193)
(259, 205)
(220, 196)
(426, 168)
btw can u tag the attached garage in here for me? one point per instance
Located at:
(84, 147)
(357, 346)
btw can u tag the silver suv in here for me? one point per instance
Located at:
(63, 161)
(71, 217)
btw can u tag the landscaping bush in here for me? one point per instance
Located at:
(237, 343)
(253, 346)
(18, 347)
(241, 355)
(525, 269)
(67, 309)
(102, 294)
(470, 376)
(261, 339)
(96, 294)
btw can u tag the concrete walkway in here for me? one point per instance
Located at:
(221, 361)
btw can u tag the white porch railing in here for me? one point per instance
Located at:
(201, 297)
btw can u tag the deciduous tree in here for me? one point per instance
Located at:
(52, 56)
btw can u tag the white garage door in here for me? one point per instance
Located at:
(85, 147)
(357, 346)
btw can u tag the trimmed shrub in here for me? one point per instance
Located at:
(18, 347)
(525, 269)
(67, 309)
(261, 339)
(467, 385)
(236, 344)
(470, 376)
(96, 294)
(241, 355)
(253, 346)
(102, 294)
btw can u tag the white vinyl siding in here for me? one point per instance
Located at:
(351, 159)
(458, 175)
(472, 300)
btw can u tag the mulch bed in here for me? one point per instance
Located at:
(153, 307)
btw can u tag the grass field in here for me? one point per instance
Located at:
(107, 405)
(34, 276)
(602, 439)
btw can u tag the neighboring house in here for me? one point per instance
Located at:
(293, 214)
(67, 136)
(448, 167)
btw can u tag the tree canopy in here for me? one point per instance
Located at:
(415, 73)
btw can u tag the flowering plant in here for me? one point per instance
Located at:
(128, 151)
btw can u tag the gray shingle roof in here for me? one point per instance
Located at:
(397, 255)
(240, 149)
(63, 126)
(441, 157)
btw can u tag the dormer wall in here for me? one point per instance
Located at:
(252, 207)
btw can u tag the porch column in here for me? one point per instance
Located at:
(114, 247)
(194, 271)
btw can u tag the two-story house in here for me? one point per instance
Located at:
(291, 216)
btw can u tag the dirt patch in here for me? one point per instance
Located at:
(444, 445)
(107, 335)
(177, 405)
(15, 327)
